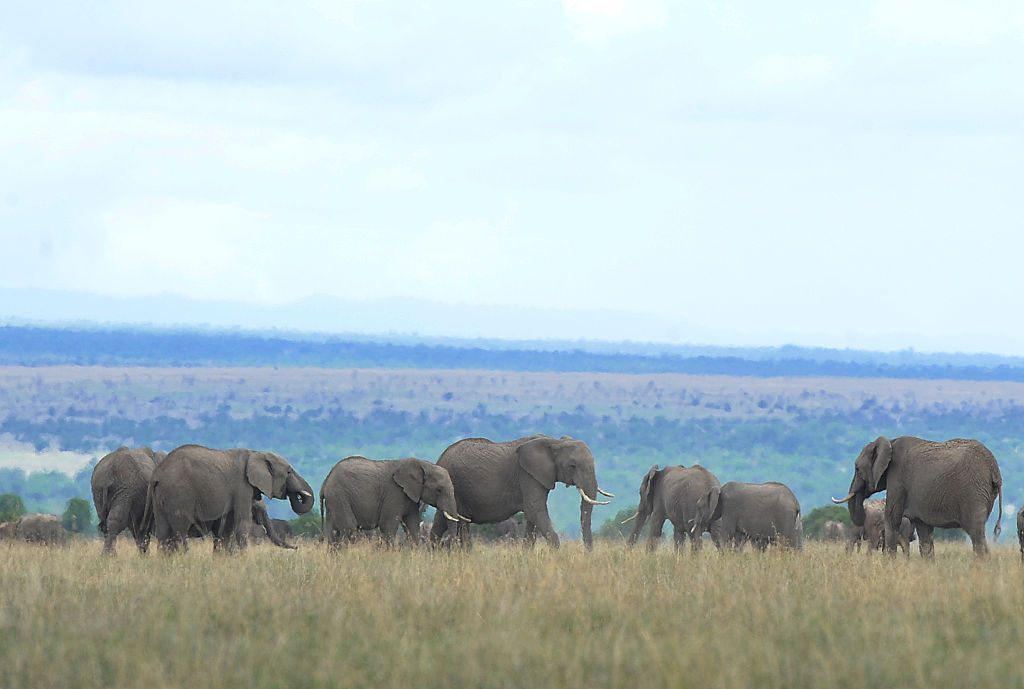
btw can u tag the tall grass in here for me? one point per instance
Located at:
(505, 617)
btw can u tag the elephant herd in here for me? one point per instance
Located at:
(195, 491)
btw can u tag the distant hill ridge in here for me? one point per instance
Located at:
(104, 345)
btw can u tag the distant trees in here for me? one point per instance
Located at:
(614, 530)
(307, 526)
(11, 507)
(77, 517)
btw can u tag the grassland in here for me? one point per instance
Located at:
(505, 617)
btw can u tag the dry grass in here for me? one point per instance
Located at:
(504, 617)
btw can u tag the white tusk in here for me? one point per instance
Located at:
(587, 499)
(465, 519)
(606, 493)
(449, 517)
(308, 495)
(630, 518)
(848, 498)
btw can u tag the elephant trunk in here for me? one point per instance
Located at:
(642, 513)
(588, 487)
(300, 495)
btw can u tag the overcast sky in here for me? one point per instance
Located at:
(816, 173)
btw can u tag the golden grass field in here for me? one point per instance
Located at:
(501, 616)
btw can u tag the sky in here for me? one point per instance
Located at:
(834, 174)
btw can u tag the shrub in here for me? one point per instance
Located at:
(77, 517)
(11, 507)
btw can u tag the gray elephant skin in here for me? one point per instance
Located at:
(1020, 533)
(685, 496)
(198, 491)
(44, 529)
(493, 481)
(873, 531)
(119, 484)
(277, 531)
(759, 513)
(834, 531)
(361, 494)
(951, 484)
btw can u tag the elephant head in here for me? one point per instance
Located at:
(643, 511)
(707, 505)
(423, 482)
(868, 477)
(274, 477)
(568, 461)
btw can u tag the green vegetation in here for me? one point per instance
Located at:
(77, 517)
(815, 520)
(504, 616)
(307, 526)
(614, 530)
(11, 507)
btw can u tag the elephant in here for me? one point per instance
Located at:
(493, 481)
(40, 528)
(873, 531)
(277, 531)
(8, 531)
(361, 494)
(1020, 533)
(834, 531)
(508, 531)
(762, 513)
(119, 484)
(686, 496)
(197, 491)
(950, 484)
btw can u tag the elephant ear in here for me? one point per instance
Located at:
(883, 455)
(647, 486)
(410, 476)
(260, 474)
(535, 458)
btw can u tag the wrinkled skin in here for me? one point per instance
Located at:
(834, 531)
(362, 495)
(119, 484)
(686, 496)
(873, 530)
(493, 481)
(197, 491)
(951, 484)
(278, 531)
(1020, 533)
(44, 529)
(759, 513)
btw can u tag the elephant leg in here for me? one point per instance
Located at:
(924, 539)
(976, 532)
(904, 543)
(678, 538)
(116, 521)
(389, 529)
(465, 536)
(412, 528)
(535, 507)
(657, 528)
(531, 536)
(439, 528)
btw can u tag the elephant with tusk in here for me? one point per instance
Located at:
(493, 481)
(197, 491)
(361, 494)
(951, 484)
(686, 496)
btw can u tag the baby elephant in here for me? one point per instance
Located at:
(363, 494)
(761, 513)
(873, 530)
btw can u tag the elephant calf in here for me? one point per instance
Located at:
(361, 494)
(686, 496)
(834, 531)
(36, 528)
(119, 484)
(873, 530)
(762, 513)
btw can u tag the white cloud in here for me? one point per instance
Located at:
(781, 70)
(597, 22)
(948, 22)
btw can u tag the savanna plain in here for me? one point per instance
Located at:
(505, 616)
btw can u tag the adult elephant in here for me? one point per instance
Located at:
(761, 513)
(361, 494)
(951, 484)
(196, 490)
(493, 481)
(873, 531)
(686, 496)
(40, 528)
(119, 484)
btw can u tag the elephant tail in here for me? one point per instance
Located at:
(323, 522)
(147, 514)
(101, 498)
(999, 517)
